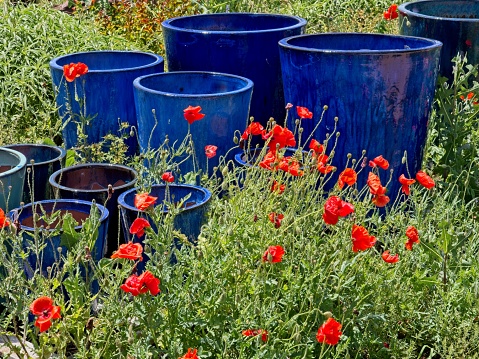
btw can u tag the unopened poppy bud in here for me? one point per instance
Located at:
(59, 250)
(353, 161)
(224, 170)
(403, 160)
(251, 119)
(288, 106)
(364, 152)
(224, 186)
(32, 161)
(215, 169)
(153, 111)
(29, 170)
(331, 155)
(325, 107)
(338, 134)
(300, 130)
(328, 314)
(132, 133)
(167, 139)
(235, 140)
(349, 155)
(336, 119)
(297, 122)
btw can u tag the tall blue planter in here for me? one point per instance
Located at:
(42, 161)
(224, 99)
(381, 87)
(12, 176)
(242, 44)
(453, 22)
(106, 88)
(48, 256)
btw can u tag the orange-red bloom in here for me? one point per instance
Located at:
(255, 332)
(210, 151)
(191, 354)
(278, 187)
(129, 250)
(322, 165)
(348, 176)
(405, 183)
(412, 237)
(374, 184)
(388, 258)
(193, 114)
(4, 222)
(423, 178)
(361, 239)
(73, 71)
(281, 137)
(391, 13)
(379, 161)
(334, 208)
(144, 200)
(276, 218)
(290, 165)
(138, 227)
(141, 284)
(380, 200)
(303, 112)
(329, 332)
(317, 147)
(254, 128)
(44, 309)
(274, 254)
(270, 161)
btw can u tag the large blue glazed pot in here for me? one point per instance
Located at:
(188, 221)
(106, 88)
(42, 161)
(101, 182)
(24, 218)
(381, 87)
(453, 22)
(12, 177)
(242, 44)
(223, 98)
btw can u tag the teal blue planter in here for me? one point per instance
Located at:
(12, 175)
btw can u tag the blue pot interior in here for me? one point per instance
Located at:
(446, 9)
(39, 153)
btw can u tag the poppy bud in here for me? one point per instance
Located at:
(224, 170)
(235, 140)
(338, 134)
(29, 170)
(349, 155)
(132, 133)
(336, 119)
(353, 161)
(328, 314)
(59, 250)
(325, 107)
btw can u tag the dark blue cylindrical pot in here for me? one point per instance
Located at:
(224, 99)
(381, 87)
(90, 182)
(12, 177)
(48, 256)
(42, 161)
(242, 44)
(453, 22)
(107, 89)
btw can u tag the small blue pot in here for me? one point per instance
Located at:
(80, 210)
(242, 44)
(12, 177)
(453, 22)
(188, 221)
(90, 182)
(224, 99)
(107, 89)
(42, 161)
(381, 87)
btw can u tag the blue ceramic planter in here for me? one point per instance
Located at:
(107, 89)
(48, 256)
(188, 221)
(242, 44)
(12, 176)
(380, 86)
(453, 22)
(90, 182)
(224, 100)
(42, 161)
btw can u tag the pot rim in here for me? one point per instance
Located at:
(56, 185)
(433, 44)
(158, 60)
(61, 152)
(22, 161)
(406, 12)
(14, 213)
(168, 23)
(205, 191)
(248, 84)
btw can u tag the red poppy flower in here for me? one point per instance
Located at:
(303, 112)
(388, 258)
(4, 222)
(210, 151)
(254, 128)
(276, 218)
(141, 284)
(348, 176)
(334, 208)
(274, 254)
(361, 239)
(281, 137)
(44, 309)
(322, 165)
(270, 161)
(278, 187)
(144, 200)
(379, 161)
(380, 200)
(374, 184)
(413, 237)
(288, 164)
(255, 332)
(73, 71)
(129, 250)
(329, 332)
(191, 354)
(406, 182)
(138, 227)
(317, 147)
(193, 114)
(391, 13)
(424, 179)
